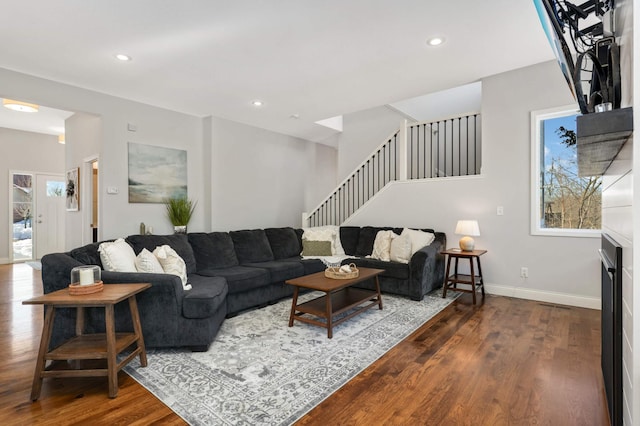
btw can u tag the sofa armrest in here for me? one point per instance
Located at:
(165, 294)
(56, 271)
(427, 265)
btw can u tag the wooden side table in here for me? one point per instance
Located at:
(454, 279)
(89, 346)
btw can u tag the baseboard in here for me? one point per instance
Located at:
(4, 260)
(545, 296)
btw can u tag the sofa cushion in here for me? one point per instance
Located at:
(213, 250)
(251, 246)
(349, 239)
(178, 242)
(391, 269)
(279, 270)
(284, 242)
(311, 266)
(240, 278)
(205, 297)
(88, 254)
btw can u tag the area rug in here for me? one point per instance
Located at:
(259, 371)
(35, 264)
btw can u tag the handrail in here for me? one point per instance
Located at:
(443, 155)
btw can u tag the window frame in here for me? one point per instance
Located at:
(537, 117)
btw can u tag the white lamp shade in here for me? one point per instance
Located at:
(468, 227)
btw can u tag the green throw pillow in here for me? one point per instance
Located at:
(316, 248)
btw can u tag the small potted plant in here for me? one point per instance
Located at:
(179, 211)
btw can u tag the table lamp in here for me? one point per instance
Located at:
(467, 228)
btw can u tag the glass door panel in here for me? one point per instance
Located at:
(22, 219)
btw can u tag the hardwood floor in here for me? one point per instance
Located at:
(502, 362)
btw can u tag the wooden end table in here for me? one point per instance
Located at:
(339, 297)
(454, 279)
(89, 346)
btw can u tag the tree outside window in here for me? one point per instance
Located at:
(564, 201)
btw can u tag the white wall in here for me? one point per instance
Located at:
(362, 133)
(562, 270)
(261, 178)
(28, 152)
(155, 126)
(446, 103)
(82, 140)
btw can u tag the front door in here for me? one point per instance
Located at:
(49, 219)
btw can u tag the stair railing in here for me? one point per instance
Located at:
(433, 149)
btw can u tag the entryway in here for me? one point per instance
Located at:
(36, 212)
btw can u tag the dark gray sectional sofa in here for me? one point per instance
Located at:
(229, 272)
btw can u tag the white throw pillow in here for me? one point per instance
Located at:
(382, 245)
(172, 263)
(325, 233)
(400, 249)
(147, 262)
(117, 256)
(419, 239)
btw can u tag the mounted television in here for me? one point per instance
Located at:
(594, 77)
(550, 24)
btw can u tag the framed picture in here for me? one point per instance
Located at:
(156, 173)
(73, 189)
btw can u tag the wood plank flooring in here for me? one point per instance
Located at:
(502, 362)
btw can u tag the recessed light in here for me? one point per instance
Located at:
(122, 57)
(19, 106)
(435, 41)
(257, 103)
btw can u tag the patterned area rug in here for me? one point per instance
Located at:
(259, 371)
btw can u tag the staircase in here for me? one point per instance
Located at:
(427, 150)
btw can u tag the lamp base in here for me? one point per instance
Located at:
(467, 244)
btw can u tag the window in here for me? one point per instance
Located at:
(563, 203)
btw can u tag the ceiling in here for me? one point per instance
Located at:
(306, 60)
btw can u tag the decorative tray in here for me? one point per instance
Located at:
(344, 272)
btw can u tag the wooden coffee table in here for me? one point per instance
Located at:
(90, 346)
(339, 297)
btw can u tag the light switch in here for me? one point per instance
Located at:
(500, 210)
(112, 189)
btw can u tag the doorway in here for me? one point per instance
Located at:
(49, 214)
(36, 215)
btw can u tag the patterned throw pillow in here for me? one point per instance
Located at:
(147, 262)
(400, 249)
(316, 248)
(172, 263)
(382, 245)
(325, 233)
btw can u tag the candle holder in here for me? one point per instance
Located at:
(85, 280)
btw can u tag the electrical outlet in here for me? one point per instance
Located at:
(500, 210)
(524, 272)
